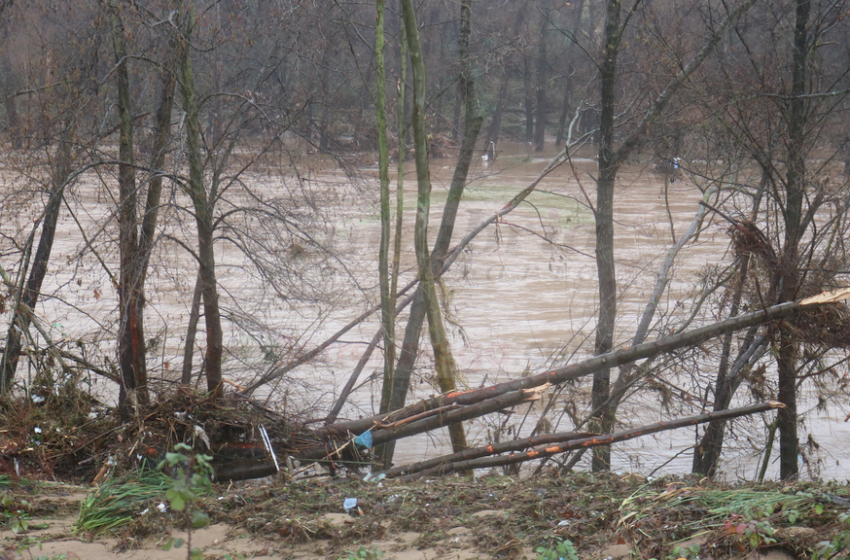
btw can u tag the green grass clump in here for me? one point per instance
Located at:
(116, 502)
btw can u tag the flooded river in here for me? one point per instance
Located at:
(521, 298)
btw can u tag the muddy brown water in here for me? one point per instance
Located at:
(517, 302)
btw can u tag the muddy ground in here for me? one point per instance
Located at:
(605, 517)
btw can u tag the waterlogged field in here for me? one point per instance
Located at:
(521, 298)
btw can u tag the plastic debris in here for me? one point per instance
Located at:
(349, 504)
(202, 435)
(377, 478)
(364, 440)
(162, 507)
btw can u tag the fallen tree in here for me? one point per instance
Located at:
(460, 406)
(540, 447)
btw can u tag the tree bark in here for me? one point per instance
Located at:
(444, 361)
(609, 163)
(553, 377)
(472, 127)
(529, 100)
(541, 78)
(790, 275)
(387, 304)
(577, 9)
(131, 341)
(203, 211)
(604, 417)
(191, 333)
(29, 298)
(543, 450)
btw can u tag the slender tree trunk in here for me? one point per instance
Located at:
(29, 298)
(386, 451)
(444, 361)
(203, 212)
(425, 302)
(13, 122)
(542, 63)
(131, 341)
(496, 122)
(577, 8)
(504, 82)
(191, 333)
(707, 452)
(529, 101)
(456, 116)
(387, 305)
(605, 233)
(790, 275)
(609, 162)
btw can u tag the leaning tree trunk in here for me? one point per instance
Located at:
(609, 162)
(708, 450)
(444, 361)
(472, 126)
(29, 298)
(203, 212)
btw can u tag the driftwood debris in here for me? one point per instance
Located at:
(334, 443)
(465, 405)
(540, 447)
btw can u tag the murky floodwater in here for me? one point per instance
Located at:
(522, 297)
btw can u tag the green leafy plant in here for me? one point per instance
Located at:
(11, 513)
(561, 549)
(363, 553)
(686, 551)
(192, 475)
(756, 533)
(839, 544)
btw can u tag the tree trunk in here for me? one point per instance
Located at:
(542, 62)
(131, 340)
(609, 162)
(504, 81)
(191, 333)
(29, 298)
(790, 275)
(386, 451)
(203, 212)
(605, 234)
(444, 361)
(387, 304)
(529, 101)
(456, 115)
(496, 123)
(707, 452)
(426, 304)
(13, 122)
(577, 8)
